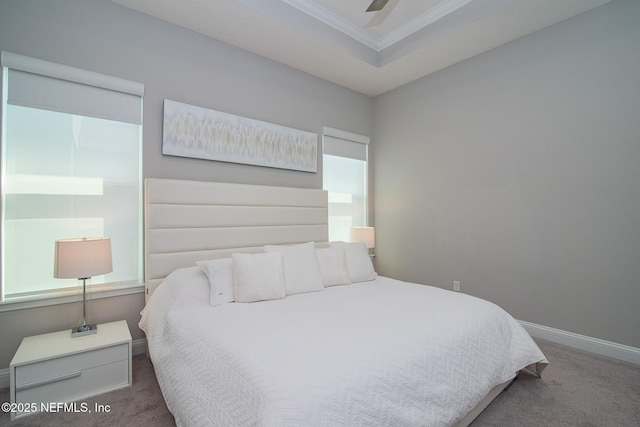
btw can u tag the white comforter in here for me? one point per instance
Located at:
(377, 353)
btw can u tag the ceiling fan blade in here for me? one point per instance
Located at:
(376, 5)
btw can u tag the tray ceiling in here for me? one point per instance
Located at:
(369, 52)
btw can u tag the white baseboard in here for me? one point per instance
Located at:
(582, 342)
(138, 346)
(4, 378)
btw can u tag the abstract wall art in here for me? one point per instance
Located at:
(190, 131)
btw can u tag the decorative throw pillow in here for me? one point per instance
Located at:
(333, 266)
(220, 275)
(258, 277)
(359, 263)
(301, 269)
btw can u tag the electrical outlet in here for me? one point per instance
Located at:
(456, 285)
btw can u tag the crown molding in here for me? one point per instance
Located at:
(432, 15)
(378, 44)
(337, 22)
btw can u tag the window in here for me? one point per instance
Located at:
(71, 167)
(344, 176)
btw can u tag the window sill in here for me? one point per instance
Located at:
(69, 297)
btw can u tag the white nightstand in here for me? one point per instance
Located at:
(55, 368)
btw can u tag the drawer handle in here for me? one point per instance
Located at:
(48, 381)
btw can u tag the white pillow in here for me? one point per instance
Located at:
(301, 269)
(333, 266)
(359, 263)
(220, 275)
(258, 277)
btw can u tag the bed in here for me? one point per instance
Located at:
(252, 318)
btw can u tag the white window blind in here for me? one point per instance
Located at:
(344, 148)
(45, 85)
(345, 167)
(71, 167)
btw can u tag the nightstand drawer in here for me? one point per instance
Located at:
(48, 371)
(87, 382)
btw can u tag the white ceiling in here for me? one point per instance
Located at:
(370, 52)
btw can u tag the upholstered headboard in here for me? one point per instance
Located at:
(188, 221)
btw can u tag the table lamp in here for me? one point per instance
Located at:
(83, 258)
(364, 234)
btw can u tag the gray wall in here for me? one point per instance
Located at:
(176, 64)
(517, 172)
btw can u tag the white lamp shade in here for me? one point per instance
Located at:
(82, 258)
(364, 234)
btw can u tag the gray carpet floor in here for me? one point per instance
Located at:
(576, 389)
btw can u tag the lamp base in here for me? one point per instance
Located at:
(83, 330)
